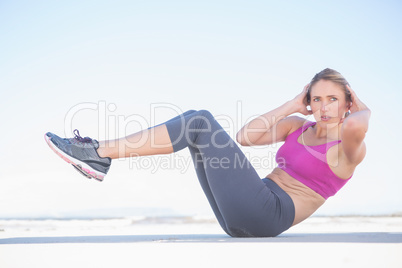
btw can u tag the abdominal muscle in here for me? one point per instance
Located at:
(305, 200)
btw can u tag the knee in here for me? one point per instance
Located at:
(205, 113)
(201, 119)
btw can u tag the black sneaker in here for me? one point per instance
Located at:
(81, 153)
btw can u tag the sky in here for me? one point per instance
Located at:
(110, 68)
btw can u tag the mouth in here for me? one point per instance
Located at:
(325, 118)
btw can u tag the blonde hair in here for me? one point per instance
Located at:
(333, 76)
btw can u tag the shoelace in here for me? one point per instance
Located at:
(81, 139)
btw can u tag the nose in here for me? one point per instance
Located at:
(324, 107)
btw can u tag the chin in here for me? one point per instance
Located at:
(331, 121)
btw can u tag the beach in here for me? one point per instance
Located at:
(198, 242)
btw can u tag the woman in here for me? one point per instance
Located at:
(315, 161)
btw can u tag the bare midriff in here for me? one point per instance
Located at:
(306, 201)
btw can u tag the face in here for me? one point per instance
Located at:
(328, 102)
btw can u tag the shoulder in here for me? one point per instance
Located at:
(293, 123)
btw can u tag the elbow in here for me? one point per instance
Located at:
(240, 139)
(354, 128)
(358, 121)
(350, 123)
(354, 125)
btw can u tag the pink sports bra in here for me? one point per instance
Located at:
(308, 164)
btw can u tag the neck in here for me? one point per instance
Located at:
(328, 131)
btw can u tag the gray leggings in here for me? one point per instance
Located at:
(244, 205)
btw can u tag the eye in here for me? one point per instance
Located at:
(334, 99)
(316, 99)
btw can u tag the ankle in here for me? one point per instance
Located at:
(102, 152)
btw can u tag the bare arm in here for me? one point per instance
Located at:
(354, 130)
(273, 126)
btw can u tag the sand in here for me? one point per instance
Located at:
(196, 242)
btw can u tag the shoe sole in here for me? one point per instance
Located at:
(80, 166)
